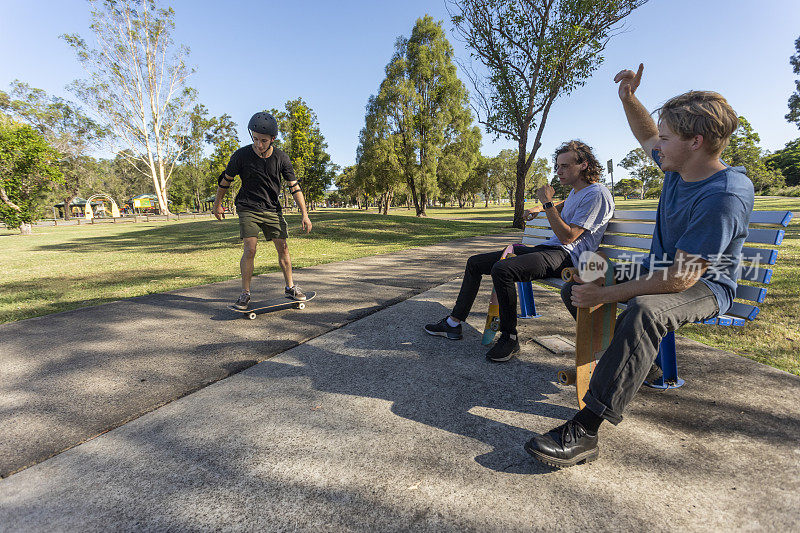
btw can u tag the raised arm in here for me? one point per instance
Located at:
(641, 123)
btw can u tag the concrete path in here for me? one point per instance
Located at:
(378, 426)
(71, 376)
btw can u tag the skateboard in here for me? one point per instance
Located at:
(593, 331)
(493, 316)
(273, 305)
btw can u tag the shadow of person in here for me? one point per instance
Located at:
(429, 380)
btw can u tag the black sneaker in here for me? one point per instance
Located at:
(504, 349)
(294, 293)
(443, 329)
(566, 445)
(243, 302)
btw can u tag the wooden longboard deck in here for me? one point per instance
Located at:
(493, 315)
(593, 331)
(277, 304)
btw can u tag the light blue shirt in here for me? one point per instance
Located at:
(590, 208)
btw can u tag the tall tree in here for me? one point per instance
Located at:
(787, 160)
(378, 167)
(794, 99)
(193, 142)
(137, 82)
(224, 141)
(303, 141)
(458, 160)
(533, 51)
(65, 127)
(506, 172)
(27, 172)
(441, 112)
(426, 105)
(743, 150)
(641, 167)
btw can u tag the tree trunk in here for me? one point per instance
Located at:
(423, 202)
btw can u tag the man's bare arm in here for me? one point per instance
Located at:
(641, 123)
(684, 273)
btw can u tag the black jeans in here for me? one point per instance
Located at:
(530, 263)
(624, 365)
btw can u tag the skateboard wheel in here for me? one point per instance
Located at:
(301, 306)
(251, 316)
(567, 377)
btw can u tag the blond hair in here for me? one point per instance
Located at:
(703, 113)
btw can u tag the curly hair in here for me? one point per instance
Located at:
(583, 153)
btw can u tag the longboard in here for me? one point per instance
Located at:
(493, 316)
(593, 331)
(273, 305)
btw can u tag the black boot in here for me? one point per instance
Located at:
(566, 445)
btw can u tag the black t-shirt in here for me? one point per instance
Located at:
(261, 178)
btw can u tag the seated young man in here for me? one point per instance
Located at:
(578, 224)
(691, 273)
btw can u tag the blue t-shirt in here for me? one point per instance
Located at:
(707, 218)
(589, 208)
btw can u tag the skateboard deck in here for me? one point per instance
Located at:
(493, 316)
(593, 331)
(277, 304)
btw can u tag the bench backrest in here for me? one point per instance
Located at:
(629, 234)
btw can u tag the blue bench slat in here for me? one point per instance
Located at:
(765, 256)
(746, 311)
(748, 292)
(766, 236)
(760, 275)
(780, 218)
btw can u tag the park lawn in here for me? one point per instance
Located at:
(64, 268)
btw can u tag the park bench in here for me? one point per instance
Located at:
(627, 238)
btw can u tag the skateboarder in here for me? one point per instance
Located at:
(578, 224)
(261, 167)
(691, 273)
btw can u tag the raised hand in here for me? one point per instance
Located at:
(545, 193)
(628, 81)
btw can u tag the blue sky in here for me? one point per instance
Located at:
(252, 55)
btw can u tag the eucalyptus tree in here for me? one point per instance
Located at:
(532, 52)
(137, 83)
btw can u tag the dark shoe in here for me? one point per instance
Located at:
(566, 445)
(443, 329)
(243, 302)
(504, 349)
(294, 293)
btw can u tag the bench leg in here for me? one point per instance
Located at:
(527, 307)
(667, 361)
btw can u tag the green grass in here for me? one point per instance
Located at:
(66, 267)
(61, 268)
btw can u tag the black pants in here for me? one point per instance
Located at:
(530, 263)
(624, 365)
